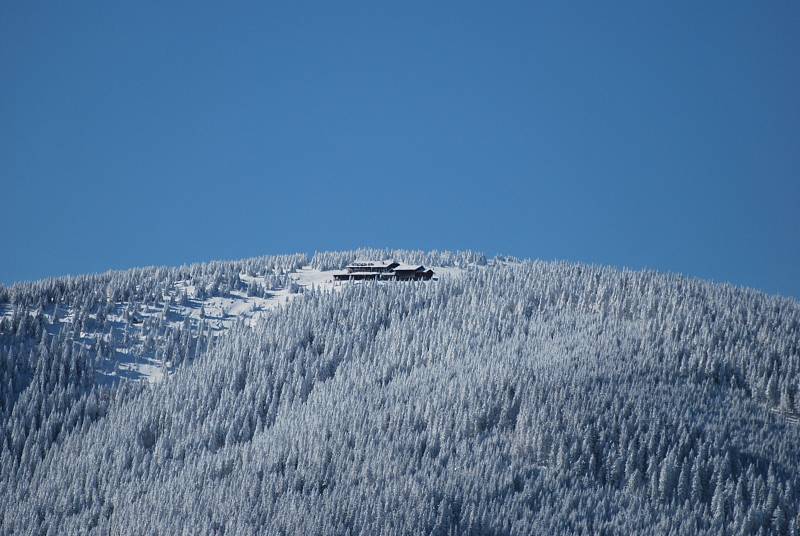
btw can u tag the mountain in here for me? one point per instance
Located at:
(505, 397)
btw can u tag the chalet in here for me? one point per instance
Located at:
(412, 272)
(383, 271)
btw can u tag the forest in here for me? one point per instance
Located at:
(520, 397)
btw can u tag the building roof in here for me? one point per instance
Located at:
(409, 268)
(371, 264)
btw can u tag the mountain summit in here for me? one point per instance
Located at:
(263, 396)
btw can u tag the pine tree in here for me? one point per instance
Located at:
(772, 392)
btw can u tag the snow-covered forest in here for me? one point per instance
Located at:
(507, 397)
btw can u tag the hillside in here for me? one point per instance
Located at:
(506, 397)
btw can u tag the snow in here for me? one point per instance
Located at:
(130, 362)
(372, 264)
(308, 277)
(223, 311)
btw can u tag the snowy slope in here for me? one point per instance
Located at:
(125, 325)
(503, 398)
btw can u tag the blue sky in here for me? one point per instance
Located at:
(663, 136)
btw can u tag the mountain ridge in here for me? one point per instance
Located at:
(515, 398)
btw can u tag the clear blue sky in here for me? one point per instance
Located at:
(659, 136)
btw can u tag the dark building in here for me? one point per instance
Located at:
(409, 272)
(355, 276)
(371, 266)
(383, 270)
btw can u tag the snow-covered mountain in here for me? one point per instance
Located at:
(505, 397)
(145, 336)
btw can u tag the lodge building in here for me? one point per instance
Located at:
(383, 271)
